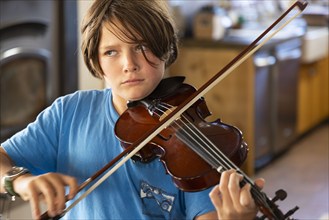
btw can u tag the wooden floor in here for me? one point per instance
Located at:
(303, 172)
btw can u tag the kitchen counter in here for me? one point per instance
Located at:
(239, 38)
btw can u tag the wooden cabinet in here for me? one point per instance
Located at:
(313, 94)
(232, 100)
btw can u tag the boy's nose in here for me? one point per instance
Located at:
(130, 68)
(130, 64)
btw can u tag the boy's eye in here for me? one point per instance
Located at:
(110, 53)
(141, 48)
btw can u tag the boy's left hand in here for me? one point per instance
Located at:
(230, 200)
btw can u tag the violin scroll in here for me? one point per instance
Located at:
(271, 211)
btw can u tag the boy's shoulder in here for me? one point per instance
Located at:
(81, 99)
(85, 95)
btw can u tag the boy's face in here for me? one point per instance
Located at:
(125, 69)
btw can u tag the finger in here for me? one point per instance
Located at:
(34, 202)
(73, 185)
(48, 191)
(215, 197)
(260, 182)
(246, 199)
(59, 192)
(235, 189)
(223, 187)
(54, 191)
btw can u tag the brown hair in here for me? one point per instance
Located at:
(146, 22)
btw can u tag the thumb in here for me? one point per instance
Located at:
(260, 182)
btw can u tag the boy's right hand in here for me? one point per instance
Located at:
(48, 188)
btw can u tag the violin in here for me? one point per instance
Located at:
(193, 151)
(191, 148)
(170, 124)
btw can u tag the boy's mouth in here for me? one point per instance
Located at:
(133, 81)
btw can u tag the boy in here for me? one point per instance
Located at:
(128, 44)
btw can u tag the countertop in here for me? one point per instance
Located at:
(239, 38)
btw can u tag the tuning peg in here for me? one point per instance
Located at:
(280, 194)
(290, 212)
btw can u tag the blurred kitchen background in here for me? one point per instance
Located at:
(278, 97)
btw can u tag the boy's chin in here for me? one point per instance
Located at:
(137, 97)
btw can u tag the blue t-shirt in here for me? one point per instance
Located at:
(75, 136)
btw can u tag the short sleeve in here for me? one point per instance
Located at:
(36, 145)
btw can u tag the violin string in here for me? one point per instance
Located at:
(195, 141)
(198, 134)
(255, 191)
(202, 139)
(221, 158)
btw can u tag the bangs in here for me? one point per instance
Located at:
(140, 26)
(123, 31)
(127, 34)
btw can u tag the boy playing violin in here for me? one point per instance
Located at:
(129, 44)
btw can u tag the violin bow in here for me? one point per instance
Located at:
(179, 110)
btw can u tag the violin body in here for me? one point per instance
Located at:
(190, 172)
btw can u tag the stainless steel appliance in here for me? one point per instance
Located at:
(285, 76)
(275, 102)
(264, 62)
